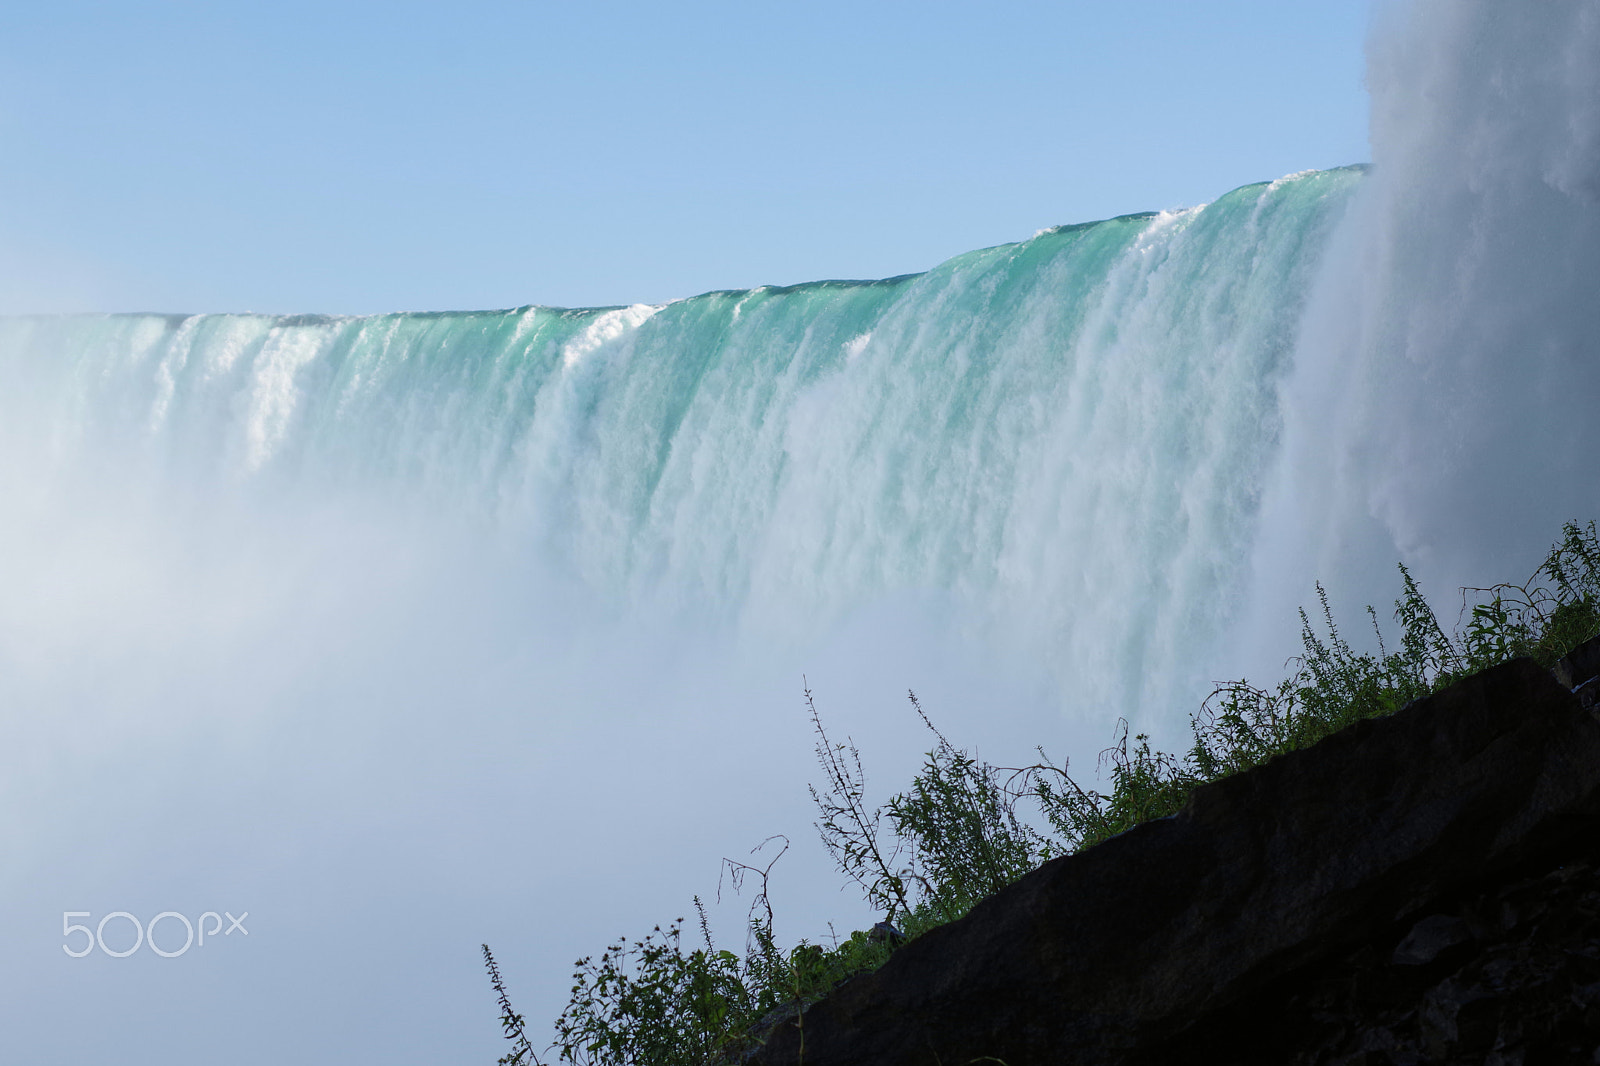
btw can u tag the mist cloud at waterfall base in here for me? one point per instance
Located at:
(390, 738)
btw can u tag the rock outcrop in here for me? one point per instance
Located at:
(1417, 888)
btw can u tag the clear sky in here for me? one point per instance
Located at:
(360, 157)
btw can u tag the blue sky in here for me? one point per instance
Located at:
(350, 158)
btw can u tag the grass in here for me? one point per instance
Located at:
(964, 829)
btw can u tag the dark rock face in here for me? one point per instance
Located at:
(1515, 980)
(1365, 900)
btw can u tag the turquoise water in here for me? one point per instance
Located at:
(1068, 434)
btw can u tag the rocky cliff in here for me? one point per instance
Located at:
(1418, 888)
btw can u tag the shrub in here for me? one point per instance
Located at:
(651, 1001)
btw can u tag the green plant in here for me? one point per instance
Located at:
(959, 821)
(521, 1053)
(850, 830)
(652, 1002)
(1145, 784)
(1331, 686)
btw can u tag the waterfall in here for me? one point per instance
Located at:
(408, 632)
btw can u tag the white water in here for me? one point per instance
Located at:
(411, 632)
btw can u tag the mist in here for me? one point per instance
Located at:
(1450, 353)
